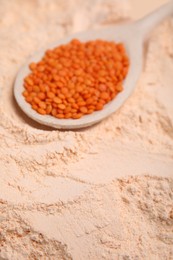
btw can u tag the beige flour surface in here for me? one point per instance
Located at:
(105, 192)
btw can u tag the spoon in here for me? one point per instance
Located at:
(132, 35)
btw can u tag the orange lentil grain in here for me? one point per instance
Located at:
(61, 96)
(67, 110)
(36, 89)
(90, 111)
(42, 104)
(25, 93)
(89, 101)
(41, 111)
(91, 107)
(32, 66)
(60, 116)
(74, 105)
(81, 103)
(41, 95)
(48, 100)
(77, 115)
(64, 91)
(33, 94)
(57, 100)
(54, 112)
(73, 110)
(29, 88)
(76, 95)
(42, 88)
(99, 106)
(76, 79)
(71, 100)
(50, 94)
(35, 107)
(83, 110)
(86, 96)
(55, 105)
(68, 115)
(29, 99)
(48, 109)
(60, 111)
(41, 68)
(36, 100)
(61, 106)
(101, 101)
(29, 81)
(104, 95)
(119, 87)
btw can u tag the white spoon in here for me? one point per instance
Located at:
(132, 35)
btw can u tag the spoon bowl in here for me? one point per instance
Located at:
(132, 35)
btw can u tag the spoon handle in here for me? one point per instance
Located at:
(149, 22)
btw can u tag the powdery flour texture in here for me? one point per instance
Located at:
(101, 193)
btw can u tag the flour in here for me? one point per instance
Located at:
(105, 192)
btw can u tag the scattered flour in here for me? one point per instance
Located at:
(105, 192)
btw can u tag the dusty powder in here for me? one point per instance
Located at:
(102, 193)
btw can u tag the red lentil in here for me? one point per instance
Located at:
(76, 79)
